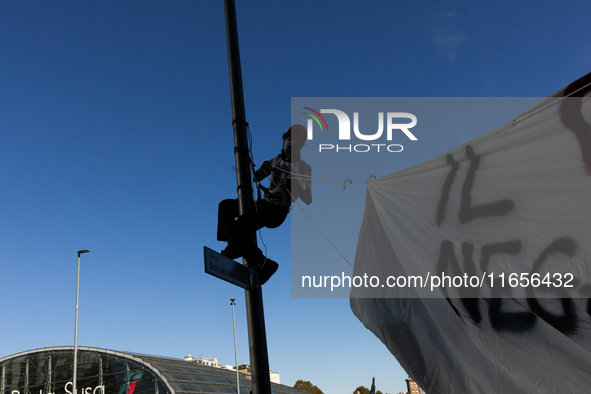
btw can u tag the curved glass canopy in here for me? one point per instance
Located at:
(100, 371)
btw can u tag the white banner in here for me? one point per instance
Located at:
(485, 252)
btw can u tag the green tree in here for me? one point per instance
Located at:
(307, 386)
(361, 390)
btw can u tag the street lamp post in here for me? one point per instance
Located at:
(76, 324)
(235, 347)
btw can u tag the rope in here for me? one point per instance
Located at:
(552, 102)
(257, 184)
(318, 228)
(294, 175)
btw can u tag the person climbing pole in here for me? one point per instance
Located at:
(290, 179)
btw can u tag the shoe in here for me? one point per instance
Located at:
(231, 252)
(266, 271)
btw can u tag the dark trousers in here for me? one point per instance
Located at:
(238, 231)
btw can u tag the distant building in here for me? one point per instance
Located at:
(273, 376)
(244, 368)
(212, 362)
(189, 358)
(413, 387)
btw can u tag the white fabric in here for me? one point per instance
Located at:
(528, 207)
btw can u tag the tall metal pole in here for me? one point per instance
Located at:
(257, 337)
(76, 325)
(235, 348)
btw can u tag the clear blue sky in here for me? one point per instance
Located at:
(116, 137)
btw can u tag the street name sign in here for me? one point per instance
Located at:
(225, 268)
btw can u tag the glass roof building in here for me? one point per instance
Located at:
(101, 371)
